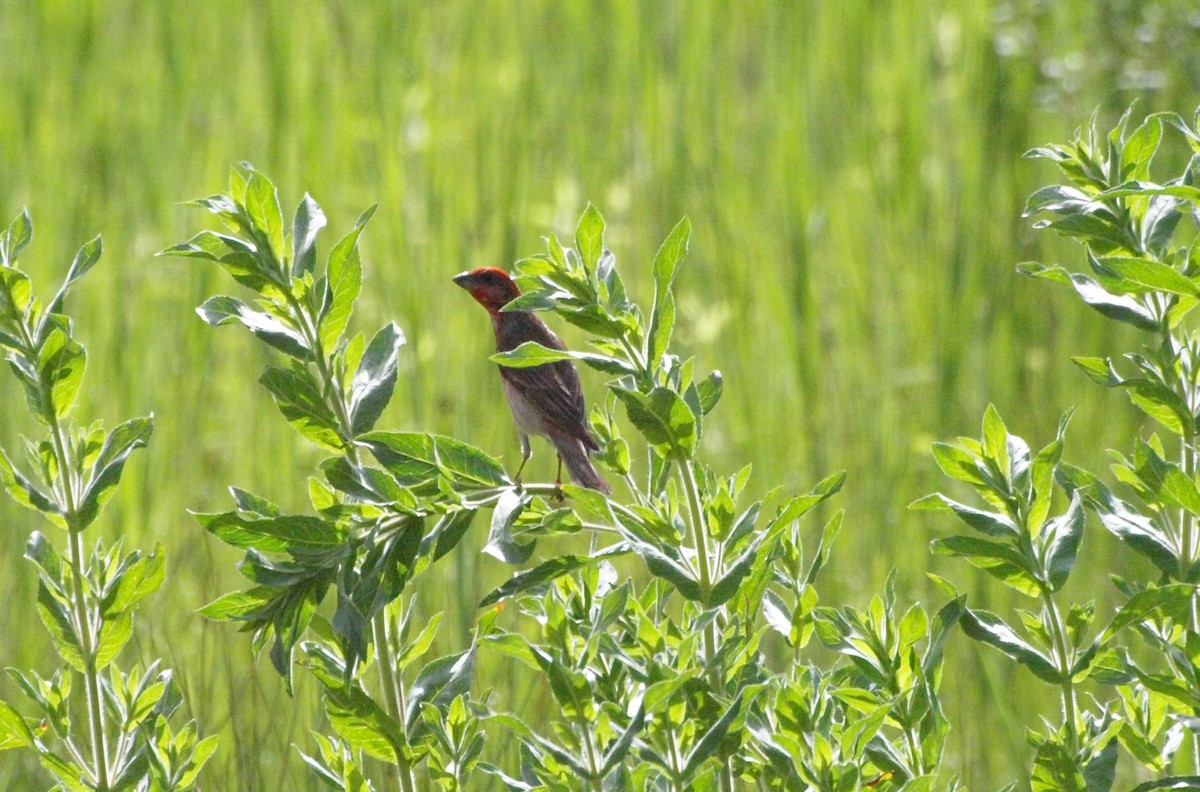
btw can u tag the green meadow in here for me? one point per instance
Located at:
(854, 179)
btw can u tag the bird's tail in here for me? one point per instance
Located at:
(573, 454)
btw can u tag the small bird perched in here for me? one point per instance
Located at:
(545, 400)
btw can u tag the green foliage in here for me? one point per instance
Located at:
(87, 604)
(375, 528)
(1129, 225)
(667, 684)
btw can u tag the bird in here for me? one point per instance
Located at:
(545, 400)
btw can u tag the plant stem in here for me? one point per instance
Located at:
(1064, 664)
(91, 676)
(700, 539)
(67, 474)
(391, 692)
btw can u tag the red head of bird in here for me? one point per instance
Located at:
(491, 287)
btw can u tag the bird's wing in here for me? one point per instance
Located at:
(553, 387)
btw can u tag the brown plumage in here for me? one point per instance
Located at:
(545, 400)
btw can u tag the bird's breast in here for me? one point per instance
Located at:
(525, 415)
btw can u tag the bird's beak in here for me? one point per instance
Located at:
(465, 280)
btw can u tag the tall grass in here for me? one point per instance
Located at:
(854, 179)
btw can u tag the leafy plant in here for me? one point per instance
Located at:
(667, 685)
(86, 601)
(1129, 226)
(670, 686)
(376, 526)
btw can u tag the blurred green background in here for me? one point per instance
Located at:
(854, 177)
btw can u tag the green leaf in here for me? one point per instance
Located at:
(236, 257)
(501, 544)
(26, 493)
(237, 604)
(945, 619)
(990, 629)
(662, 323)
(999, 560)
(18, 236)
(662, 314)
(139, 577)
(262, 207)
(549, 570)
(56, 616)
(217, 311)
(16, 293)
(589, 237)
(362, 723)
(273, 534)
(531, 353)
(709, 390)
(619, 748)
(419, 645)
(1120, 307)
(995, 442)
(672, 251)
(990, 523)
(1190, 782)
(1150, 275)
(1067, 531)
(113, 635)
(415, 458)
(309, 220)
(84, 260)
(707, 745)
(668, 567)
(958, 464)
(110, 463)
(1173, 600)
(61, 361)
(1139, 149)
(446, 534)
(439, 683)
(663, 418)
(302, 404)
(1136, 530)
(14, 732)
(375, 379)
(343, 283)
